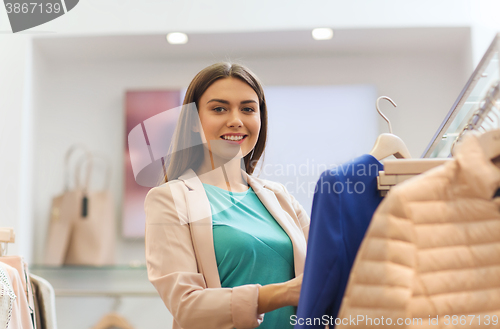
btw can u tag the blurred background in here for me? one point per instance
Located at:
(66, 81)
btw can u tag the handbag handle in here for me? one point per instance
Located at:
(67, 158)
(90, 166)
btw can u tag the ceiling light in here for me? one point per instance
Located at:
(177, 38)
(322, 33)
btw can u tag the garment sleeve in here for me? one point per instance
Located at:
(303, 218)
(172, 269)
(323, 267)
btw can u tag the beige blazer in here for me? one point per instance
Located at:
(180, 252)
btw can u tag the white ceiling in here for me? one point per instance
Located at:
(346, 42)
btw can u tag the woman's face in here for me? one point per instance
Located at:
(228, 110)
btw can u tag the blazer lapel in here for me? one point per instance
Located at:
(200, 224)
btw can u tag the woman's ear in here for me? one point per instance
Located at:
(195, 129)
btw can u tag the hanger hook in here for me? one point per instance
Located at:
(382, 114)
(4, 247)
(496, 105)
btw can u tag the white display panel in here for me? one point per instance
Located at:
(312, 128)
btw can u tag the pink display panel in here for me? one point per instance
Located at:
(151, 117)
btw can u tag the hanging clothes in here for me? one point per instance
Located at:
(7, 299)
(44, 293)
(38, 323)
(21, 316)
(432, 250)
(21, 267)
(344, 202)
(15, 312)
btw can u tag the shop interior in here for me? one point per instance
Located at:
(322, 112)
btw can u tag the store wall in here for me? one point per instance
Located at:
(15, 196)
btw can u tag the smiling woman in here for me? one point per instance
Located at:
(224, 248)
(218, 92)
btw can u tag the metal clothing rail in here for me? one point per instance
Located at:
(478, 74)
(482, 112)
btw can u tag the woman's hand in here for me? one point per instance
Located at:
(276, 295)
(293, 290)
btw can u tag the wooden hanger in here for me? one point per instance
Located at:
(7, 236)
(113, 320)
(389, 144)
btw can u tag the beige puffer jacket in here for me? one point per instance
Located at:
(432, 251)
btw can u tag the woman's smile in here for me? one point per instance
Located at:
(234, 138)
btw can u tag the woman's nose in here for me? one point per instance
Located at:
(234, 119)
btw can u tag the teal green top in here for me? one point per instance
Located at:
(250, 246)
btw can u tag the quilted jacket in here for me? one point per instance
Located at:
(432, 251)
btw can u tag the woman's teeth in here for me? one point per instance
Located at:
(233, 138)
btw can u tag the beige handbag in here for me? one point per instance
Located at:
(64, 212)
(93, 234)
(82, 226)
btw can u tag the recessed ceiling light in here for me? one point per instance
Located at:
(177, 38)
(322, 33)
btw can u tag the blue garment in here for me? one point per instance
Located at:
(344, 202)
(250, 246)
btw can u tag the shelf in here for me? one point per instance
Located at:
(120, 267)
(98, 293)
(87, 281)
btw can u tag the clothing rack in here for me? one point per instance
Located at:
(34, 305)
(397, 171)
(485, 73)
(485, 108)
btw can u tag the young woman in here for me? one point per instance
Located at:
(224, 249)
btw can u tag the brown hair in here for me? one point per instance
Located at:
(187, 145)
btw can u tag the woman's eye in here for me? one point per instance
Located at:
(221, 109)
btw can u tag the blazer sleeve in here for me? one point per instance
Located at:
(172, 269)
